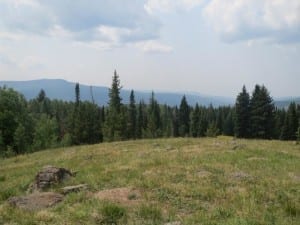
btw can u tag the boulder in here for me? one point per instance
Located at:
(48, 176)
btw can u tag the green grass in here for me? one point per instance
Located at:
(204, 181)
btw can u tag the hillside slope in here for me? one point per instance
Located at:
(188, 181)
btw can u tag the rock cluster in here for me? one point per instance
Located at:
(48, 176)
(38, 199)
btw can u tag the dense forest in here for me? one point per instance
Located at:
(41, 123)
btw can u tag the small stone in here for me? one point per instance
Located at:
(173, 223)
(76, 188)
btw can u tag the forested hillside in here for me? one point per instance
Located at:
(42, 123)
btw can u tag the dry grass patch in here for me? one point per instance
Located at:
(125, 196)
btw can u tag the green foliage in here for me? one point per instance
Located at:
(154, 121)
(43, 123)
(195, 123)
(290, 126)
(20, 141)
(262, 113)
(112, 214)
(45, 133)
(115, 122)
(228, 126)
(242, 114)
(150, 214)
(212, 130)
(132, 117)
(298, 133)
(184, 118)
(14, 119)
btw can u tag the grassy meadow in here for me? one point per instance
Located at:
(204, 181)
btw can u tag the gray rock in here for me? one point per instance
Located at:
(173, 223)
(48, 176)
(76, 188)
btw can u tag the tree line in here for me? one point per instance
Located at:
(41, 123)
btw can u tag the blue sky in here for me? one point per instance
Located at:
(207, 46)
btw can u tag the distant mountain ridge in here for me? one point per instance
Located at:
(65, 90)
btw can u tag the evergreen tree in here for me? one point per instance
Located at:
(203, 125)
(184, 118)
(279, 119)
(298, 132)
(166, 115)
(77, 94)
(212, 130)
(242, 114)
(76, 127)
(176, 122)
(228, 127)
(262, 113)
(132, 117)
(195, 123)
(114, 119)
(290, 126)
(154, 120)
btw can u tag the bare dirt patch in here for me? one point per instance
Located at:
(240, 175)
(126, 196)
(294, 177)
(204, 173)
(36, 201)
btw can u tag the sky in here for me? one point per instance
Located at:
(213, 47)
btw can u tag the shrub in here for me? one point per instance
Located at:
(112, 214)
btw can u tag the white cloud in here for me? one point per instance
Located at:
(171, 5)
(154, 47)
(111, 21)
(275, 20)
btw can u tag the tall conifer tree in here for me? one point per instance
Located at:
(132, 116)
(242, 114)
(114, 120)
(262, 113)
(184, 118)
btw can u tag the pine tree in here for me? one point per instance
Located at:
(212, 130)
(184, 118)
(195, 123)
(279, 119)
(228, 127)
(139, 122)
(115, 118)
(76, 120)
(242, 114)
(154, 120)
(132, 117)
(77, 94)
(175, 122)
(203, 125)
(262, 113)
(289, 130)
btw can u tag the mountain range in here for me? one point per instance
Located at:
(65, 90)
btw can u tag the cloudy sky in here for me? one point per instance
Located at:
(206, 46)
